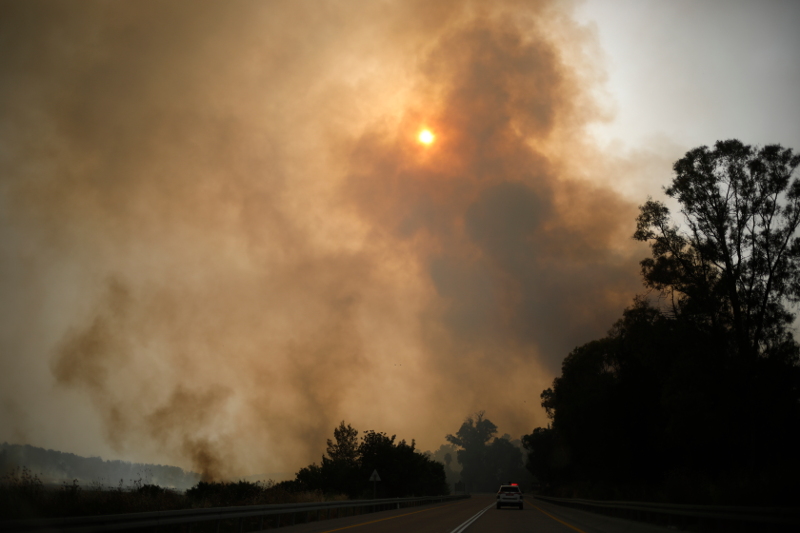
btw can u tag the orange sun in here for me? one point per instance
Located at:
(426, 137)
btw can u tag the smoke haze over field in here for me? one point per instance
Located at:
(219, 235)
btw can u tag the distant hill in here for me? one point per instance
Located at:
(54, 467)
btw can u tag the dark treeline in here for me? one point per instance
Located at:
(55, 466)
(487, 461)
(349, 462)
(473, 456)
(27, 476)
(693, 396)
(447, 455)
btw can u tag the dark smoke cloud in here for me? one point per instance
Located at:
(520, 251)
(218, 227)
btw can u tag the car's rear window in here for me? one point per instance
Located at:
(509, 488)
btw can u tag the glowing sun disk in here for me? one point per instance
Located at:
(425, 137)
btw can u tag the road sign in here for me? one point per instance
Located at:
(374, 477)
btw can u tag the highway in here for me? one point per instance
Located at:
(478, 515)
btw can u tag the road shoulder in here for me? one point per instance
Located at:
(595, 522)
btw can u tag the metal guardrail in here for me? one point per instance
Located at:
(161, 519)
(715, 517)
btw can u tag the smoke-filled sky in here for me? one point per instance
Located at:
(220, 235)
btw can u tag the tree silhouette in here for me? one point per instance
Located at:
(476, 431)
(472, 439)
(486, 462)
(695, 399)
(346, 446)
(348, 464)
(737, 262)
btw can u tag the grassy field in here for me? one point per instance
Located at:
(24, 495)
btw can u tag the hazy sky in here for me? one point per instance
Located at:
(219, 235)
(694, 71)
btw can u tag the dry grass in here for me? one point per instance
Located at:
(23, 495)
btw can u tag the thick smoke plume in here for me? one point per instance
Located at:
(220, 236)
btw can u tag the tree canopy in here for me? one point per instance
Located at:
(693, 396)
(736, 262)
(345, 447)
(486, 461)
(347, 467)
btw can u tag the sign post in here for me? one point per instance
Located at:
(374, 478)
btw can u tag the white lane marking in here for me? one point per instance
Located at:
(469, 522)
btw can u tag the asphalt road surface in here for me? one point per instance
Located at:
(478, 515)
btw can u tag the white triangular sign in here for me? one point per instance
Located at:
(375, 476)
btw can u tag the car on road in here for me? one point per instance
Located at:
(509, 495)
